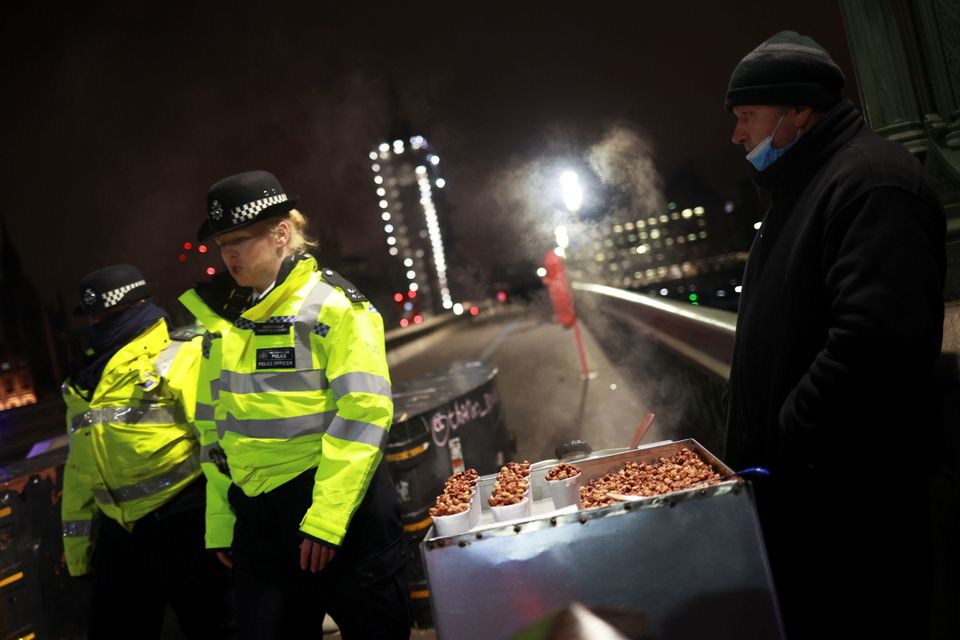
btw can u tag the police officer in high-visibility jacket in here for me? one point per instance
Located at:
(294, 408)
(132, 504)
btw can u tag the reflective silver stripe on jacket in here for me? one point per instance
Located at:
(150, 487)
(145, 413)
(277, 427)
(357, 431)
(77, 528)
(204, 411)
(165, 359)
(306, 319)
(267, 381)
(305, 378)
(360, 382)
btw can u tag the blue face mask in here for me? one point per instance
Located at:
(763, 155)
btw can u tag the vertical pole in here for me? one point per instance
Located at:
(583, 356)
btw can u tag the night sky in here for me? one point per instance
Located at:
(117, 116)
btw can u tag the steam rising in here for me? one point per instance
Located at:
(623, 160)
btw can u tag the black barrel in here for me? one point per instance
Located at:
(444, 421)
(420, 604)
(37, 598)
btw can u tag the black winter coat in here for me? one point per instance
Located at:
(839, 325)
(841, 313)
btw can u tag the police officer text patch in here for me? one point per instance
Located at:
(276, 358)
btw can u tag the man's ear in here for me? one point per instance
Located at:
(802, 118)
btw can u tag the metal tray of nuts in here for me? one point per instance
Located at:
(691, 561)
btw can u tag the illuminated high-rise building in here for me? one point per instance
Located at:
(406, 178)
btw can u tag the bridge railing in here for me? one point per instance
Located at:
(681, 353)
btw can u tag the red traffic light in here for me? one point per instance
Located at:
(417, 319)
(404, 322)
(211, 271)
(474, 311)
(202, 248)
(398, 297)
(188, 245)
(412, 294)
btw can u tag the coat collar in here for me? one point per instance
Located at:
(812, 150)
(294, 272)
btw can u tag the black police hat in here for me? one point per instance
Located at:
(241, 200)
(104, 289)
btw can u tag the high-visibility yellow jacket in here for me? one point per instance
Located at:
(299, 381)
(132, 445)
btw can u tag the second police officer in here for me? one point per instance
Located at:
(294, 408)
(132, 506)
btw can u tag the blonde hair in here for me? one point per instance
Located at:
(299, 242)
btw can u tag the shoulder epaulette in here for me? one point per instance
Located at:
(185, 334)
(342, 283)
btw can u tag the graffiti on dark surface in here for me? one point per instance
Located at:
(461, 413)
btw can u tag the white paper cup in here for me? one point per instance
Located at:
(475, 509)
(565, 492)
(453, 525)
(521, 509)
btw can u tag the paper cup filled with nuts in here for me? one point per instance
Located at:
(456, 510)
(563, 482)
(511, 497)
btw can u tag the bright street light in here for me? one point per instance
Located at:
(572, 193)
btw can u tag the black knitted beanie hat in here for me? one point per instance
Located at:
(788, 69)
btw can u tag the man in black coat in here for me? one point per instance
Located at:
(840, 322)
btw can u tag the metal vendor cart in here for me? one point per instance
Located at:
(693, 562)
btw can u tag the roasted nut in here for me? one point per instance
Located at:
(563, 471)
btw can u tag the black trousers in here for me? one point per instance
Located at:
(364, 588)
(162, 561)
(849, 558)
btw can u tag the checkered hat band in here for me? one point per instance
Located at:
(250, 210)
(110, 298)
